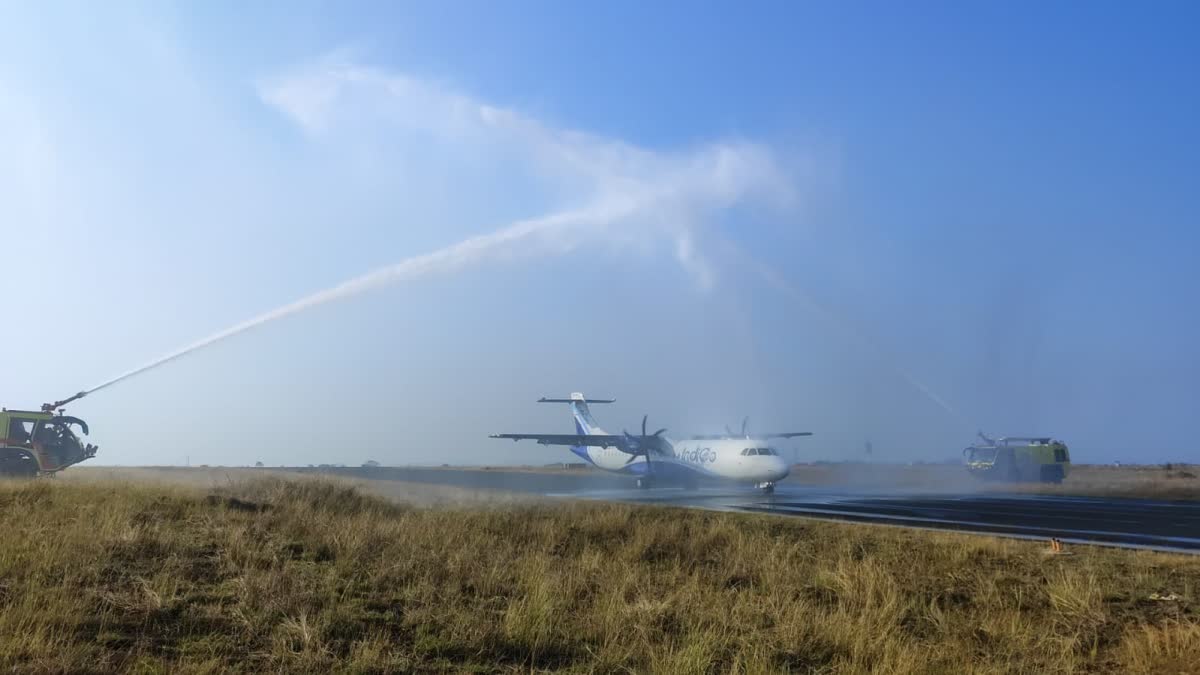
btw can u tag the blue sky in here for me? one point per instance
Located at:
(805, 213)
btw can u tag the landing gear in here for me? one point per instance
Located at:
(767, 488)
(645, 483)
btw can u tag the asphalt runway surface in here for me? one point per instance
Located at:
(1160, 525)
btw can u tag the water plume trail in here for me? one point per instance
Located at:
(559, 232)
(779, 283)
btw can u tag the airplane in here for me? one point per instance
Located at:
(654, 457)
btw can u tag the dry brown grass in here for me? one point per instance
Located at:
(1171, 481)
(313, 576)
(221, 478)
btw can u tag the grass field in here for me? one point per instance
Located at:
(299, 575)
(1168, 482)
(227, 478)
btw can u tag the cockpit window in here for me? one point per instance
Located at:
(751, 452)
(20, 431)
(984, 454)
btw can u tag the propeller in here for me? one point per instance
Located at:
(745, 421)
(640, 446)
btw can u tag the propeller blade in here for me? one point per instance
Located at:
(632, 445)
(660, 432)
(644, 418)
(745, 421)
(728, 431)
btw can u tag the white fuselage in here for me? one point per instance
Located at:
(743, 460)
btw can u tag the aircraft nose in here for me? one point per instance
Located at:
(780, 468)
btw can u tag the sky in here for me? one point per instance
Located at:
(884, 223)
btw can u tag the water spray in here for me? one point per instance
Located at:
(558, 232)
(779, 283)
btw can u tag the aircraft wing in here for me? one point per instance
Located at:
(594, 440)
(786, 434)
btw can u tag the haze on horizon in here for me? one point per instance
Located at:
(804, 214)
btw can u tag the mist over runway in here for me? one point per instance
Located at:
(1135, 523)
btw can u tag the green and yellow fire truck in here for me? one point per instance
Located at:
(42, 442)
(1016, 459)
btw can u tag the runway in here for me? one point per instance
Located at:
(1173, 526)
(1159, 525)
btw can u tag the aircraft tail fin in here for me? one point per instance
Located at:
(584, 422)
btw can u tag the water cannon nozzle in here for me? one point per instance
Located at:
(51, 407)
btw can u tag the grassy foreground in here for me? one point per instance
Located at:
(303, 576)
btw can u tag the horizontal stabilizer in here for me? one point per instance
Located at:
(574, 440)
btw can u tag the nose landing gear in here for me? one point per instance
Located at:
(767, 487)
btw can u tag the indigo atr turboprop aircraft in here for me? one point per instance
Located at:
(654, 457)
